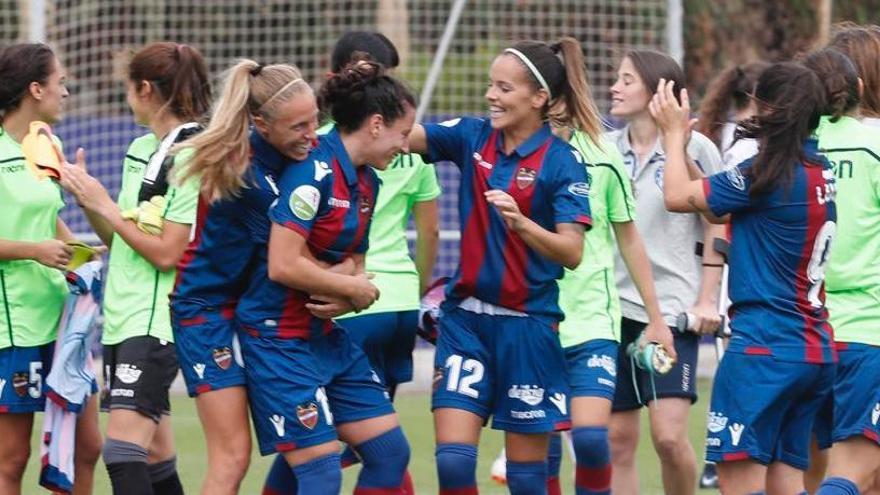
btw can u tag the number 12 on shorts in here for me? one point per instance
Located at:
(455, 365)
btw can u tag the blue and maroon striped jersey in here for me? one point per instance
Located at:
(229, 233)
(328, 201)
(778, 251)
(547, 178)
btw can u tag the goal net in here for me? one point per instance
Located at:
(91, 35)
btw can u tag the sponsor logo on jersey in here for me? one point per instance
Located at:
(11, 169)
(875, 414)
(307, 415)
(199, 368)
(736, 431)
(304, 201)
(483, 163)
(533, 414)
(580, 189)
(716, 422)
(20, 383)
(530, 394)
(128, 373)
(605, 362)
(322, 170)
(525, 177)
(559, 401)
(339, 203)
(277, 422)
(736, 179)
(222, 357)
(451, 122)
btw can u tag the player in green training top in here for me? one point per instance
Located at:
(33, 255)
(167, 91)
(852, 276)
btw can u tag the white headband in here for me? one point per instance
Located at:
(532, 68)
(283, 88)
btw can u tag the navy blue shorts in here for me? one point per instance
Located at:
(23, 371)
(298, 389)
(207, 346)
(508, 367)
(592, 368)
(388, 340)
(857, 393)
(680, 382)
(764, 409)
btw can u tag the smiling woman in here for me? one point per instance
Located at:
(523, 213)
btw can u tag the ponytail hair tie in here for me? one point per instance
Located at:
(256, 70)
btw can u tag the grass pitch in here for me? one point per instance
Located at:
(416, 420)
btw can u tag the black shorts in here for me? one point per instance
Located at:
(680, 382)
(137, 375)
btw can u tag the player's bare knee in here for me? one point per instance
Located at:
(88, 450)
(14, 461)
(669, 447)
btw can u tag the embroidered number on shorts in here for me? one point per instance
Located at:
(818, 261)
(463, 384)
(35, 380)
(321, 397)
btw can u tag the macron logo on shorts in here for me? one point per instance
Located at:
(558, 400)
(199, 368)
(875, 414)
(736, 431)
(278, 423)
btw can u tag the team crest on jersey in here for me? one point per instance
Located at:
(525, 177)
(20, 383)
(366, 206)
(222, 357)
(658, 177)
(307, 415)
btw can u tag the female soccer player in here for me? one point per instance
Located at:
(682, 284)
(728, 101)
(239, 170)
(853, 276)
(523, 210)
(307, 381)
(33, 256)
(779, 366)
(168, 92)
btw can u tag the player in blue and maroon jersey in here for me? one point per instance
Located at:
(231, 228)
(523, 209)
(779, 367)
(308, 383)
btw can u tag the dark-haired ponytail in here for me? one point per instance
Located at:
(361, 89)
(840, 80)
(791, 100)
(731, 90)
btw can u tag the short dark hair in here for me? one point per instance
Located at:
(376, 46)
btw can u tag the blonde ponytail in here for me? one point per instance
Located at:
(222, 151)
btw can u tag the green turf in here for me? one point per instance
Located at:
(416, 421)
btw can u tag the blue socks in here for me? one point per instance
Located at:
(838, 486)
(593, 456)
(527, 478)
(457, 468)
(280, 480)
(385, 459)
(554, 462)
(321, 475)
